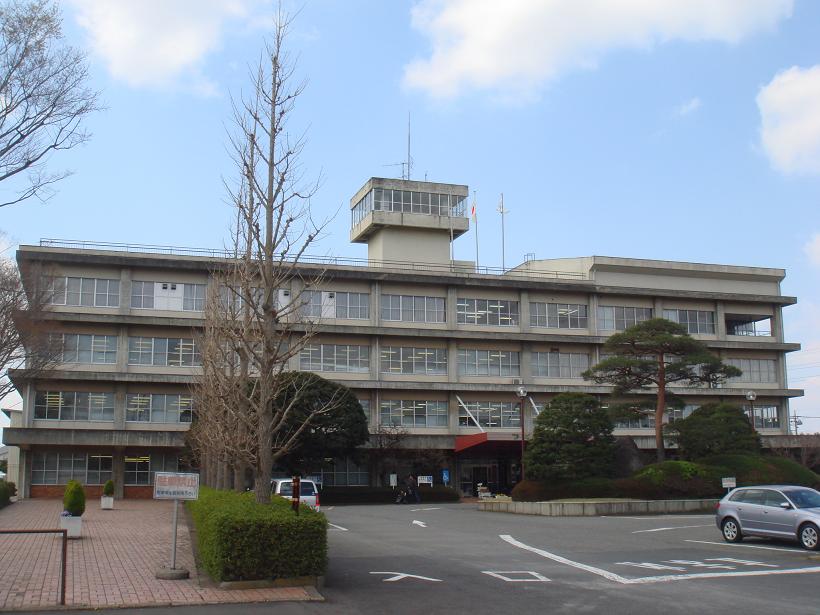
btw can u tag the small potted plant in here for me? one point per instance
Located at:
(73, 509)
(107, 497)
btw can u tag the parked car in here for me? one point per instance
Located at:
(773, 511)
(308, 493)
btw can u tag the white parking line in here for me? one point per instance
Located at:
(660, 517)
(418, 509)
(729, 544)
(659, 579)
(663, 529)
(338, 527)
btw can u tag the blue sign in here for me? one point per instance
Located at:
(445, 477)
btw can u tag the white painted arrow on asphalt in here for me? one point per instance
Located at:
(398, 576)
(419, 523)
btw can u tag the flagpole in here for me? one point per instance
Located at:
(475, 219)
(502, 211)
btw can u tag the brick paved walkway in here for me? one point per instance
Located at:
(113, 563)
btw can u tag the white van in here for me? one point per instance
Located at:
(309, 494)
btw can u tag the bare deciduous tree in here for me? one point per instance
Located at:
(24, 340)
(253, 322)
(43, 97)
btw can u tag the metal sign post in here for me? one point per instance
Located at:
(175, 486)
(728, 483)
(296, 493)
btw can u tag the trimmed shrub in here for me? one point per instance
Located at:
(760, 470)
(74, 499)
(5, 493)
(108, 488)
(674, 479)
(536, 491)
(715, 429)
(384, 495)
(12, 487)
(240, 540)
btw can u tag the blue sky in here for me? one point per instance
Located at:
(682, 130)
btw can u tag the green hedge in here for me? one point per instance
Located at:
(240, 540)
(6, 492)
(766, 469)
(384, 495)
(676, 479)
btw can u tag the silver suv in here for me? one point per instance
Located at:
(774, 511)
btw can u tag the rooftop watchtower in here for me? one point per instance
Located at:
(409, 221)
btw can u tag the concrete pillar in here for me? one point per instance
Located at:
(452, 361)
(375, 304)
(450, 308)
(118, 473)
(28, 405)
(657, 307)
(777, 323)
(125, 291)
(592, 315)
(375, 358)
(720, 320)
(525, 358)
(23, 474)
(524, 306)
(122, 349)
(119, 406)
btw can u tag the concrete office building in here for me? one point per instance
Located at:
(435, 346)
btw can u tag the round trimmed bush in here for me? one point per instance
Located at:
(108, 488)
(74, 499)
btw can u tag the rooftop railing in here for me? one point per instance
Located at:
(339, 261)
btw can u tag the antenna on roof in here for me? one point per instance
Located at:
(409, 158)
(407, 165)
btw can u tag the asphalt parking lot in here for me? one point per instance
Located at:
(441, 558)
(451, 558)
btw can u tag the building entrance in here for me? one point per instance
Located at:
(474, 472)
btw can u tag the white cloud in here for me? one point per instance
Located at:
(812, 249)
(514, 47)
(790, 120)
(159, 43)
(690, 106)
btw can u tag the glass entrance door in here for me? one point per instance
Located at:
(474, 472)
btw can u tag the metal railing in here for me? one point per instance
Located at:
(63, 554)
(339, 261)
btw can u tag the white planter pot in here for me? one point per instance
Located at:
(74, 525)
(107, 502)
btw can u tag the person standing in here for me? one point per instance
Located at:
(412, 487)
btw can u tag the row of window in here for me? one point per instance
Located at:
(765, 417)
(409, 202)
(93, 406)
(96, 292)
(183, 352)
(101, 292)
(52, 468)
(422, 413)
(433, 361)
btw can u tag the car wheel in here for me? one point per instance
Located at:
(809, 536)
(731, 530)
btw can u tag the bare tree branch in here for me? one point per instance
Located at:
(43, 97)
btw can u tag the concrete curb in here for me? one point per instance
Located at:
(308, 581)
(597, 509)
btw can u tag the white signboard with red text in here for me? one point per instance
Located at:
(176, 486)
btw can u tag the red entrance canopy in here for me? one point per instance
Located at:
(489, 443)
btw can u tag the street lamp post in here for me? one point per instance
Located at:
(751, 396)
(522, 394)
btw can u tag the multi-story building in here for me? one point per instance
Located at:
(434, 346)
